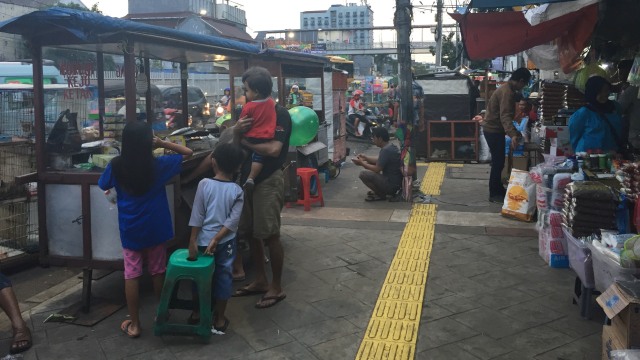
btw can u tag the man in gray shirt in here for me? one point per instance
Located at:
(381, 174)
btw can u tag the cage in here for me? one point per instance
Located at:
(16, 158)
(18, 227)
(17, 110)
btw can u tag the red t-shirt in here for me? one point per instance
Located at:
(263, 113)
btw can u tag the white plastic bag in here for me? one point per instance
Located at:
(485, 154)
(625, 355)
(520, 201)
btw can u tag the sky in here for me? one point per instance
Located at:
(285, 14)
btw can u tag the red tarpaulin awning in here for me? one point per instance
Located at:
(495, 34)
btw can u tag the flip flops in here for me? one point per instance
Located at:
(271, 301)
(374, 198)
(244, 291)
(125, 329)
(21, 340)
(220, 330)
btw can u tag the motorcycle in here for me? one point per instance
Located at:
(174, 118)
(368, 121)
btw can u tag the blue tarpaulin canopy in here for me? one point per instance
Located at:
(84, 30)
(489, 4)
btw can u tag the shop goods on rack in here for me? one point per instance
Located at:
(555, 97)
(589, 207)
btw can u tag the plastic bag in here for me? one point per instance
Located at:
(580, 81)
(543, 195)
(519, 202)
(485, 154)
(625, 355)
(64, 136)
(536, 174)
(560, 181)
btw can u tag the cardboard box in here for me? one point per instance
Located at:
(610, 342)
(624, 312)
(519, 163)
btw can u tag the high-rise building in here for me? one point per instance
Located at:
(346, 24)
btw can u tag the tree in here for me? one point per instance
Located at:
(69, 6)
(94, 8)
(480, 64)
(449, 52)
(384, 59)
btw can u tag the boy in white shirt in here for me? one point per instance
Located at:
(214, 220)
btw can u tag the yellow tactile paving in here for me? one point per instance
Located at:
(455, 165)
(433, 179)
(392, 332)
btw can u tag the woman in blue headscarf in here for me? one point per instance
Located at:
(597, 125)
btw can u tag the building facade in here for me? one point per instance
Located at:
(345, 24)
(224, 10)
(13, 47)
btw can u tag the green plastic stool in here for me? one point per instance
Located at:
(199, 271)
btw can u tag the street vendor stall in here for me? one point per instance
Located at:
(77, 226)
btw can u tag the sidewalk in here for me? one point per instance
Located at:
(488, 294)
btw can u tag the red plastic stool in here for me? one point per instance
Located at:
(305, 175)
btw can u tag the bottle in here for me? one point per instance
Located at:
(593, 161)
(579, 176)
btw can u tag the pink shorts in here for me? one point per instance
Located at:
(156, 259)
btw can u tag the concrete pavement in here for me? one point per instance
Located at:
(488, 294)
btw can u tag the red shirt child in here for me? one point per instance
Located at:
(263, 113)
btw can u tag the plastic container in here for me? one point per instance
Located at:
(607, 270)
(580, 259)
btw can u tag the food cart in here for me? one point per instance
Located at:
(77, 226)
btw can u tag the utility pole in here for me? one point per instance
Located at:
(439, 32)
(402, 22)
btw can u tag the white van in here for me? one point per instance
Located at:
(22, 73)
(17, 112)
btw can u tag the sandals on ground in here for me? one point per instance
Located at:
(374, 198)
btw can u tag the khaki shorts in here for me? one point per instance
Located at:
(261, 215)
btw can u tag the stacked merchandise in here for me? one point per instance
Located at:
(551, 179)
(629, 177)
(589, 207)
(574, 98)
(552, 99)
(556, 97)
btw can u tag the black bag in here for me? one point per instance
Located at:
(65, 137)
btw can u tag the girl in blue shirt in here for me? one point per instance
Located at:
(598, 125)
(143, 210)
